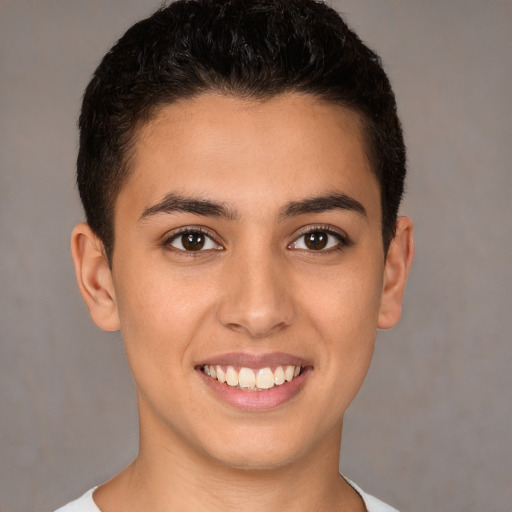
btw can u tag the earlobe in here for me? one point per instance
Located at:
(398, 263)
(94, 277)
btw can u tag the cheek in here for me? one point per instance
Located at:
(345, 300)
(344, 311)
(160, 312)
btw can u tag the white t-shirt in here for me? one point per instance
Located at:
(86, 503)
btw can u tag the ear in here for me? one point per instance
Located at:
(94, 277)
(396, 269)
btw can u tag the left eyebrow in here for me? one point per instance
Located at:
(321, 204)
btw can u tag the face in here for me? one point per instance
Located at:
(248, 250)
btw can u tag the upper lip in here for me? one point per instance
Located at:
(254, 360)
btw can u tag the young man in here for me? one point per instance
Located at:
(241, 165)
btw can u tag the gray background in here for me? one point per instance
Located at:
(432, 428)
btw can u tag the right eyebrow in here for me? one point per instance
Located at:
(172, 203)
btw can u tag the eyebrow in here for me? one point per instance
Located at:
(319, 204)
(173, 203)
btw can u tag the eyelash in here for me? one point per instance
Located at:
(167, 243)
(343, 240)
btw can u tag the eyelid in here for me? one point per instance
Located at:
(173, 235)
(343, 238)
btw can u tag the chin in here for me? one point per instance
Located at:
(269, 453)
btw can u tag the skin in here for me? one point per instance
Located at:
(256, 289)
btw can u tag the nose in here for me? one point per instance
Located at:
(257, 299)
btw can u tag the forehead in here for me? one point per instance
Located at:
(243, 149)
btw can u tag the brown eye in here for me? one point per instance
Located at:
(320, 240)
(192, 241)
(316, 241)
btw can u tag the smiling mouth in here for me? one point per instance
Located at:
(248, 379)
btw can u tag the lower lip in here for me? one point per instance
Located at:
(257, 400)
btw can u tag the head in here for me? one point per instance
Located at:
(244, 48)
(241, 165)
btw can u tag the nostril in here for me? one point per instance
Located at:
(256, 325)
(255, 330)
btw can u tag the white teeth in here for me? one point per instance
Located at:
(231, 377)
(221, 376)
(279, 376)
(246, 378)
(265, 378)
(254, 380)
